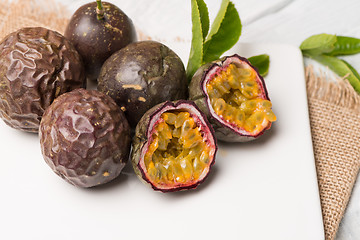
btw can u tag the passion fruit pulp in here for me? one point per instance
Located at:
(174, 147)
(234, 97)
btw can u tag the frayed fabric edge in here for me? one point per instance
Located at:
(334, 91)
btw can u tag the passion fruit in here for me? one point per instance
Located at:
(233, 95)
(174, 147)
(97, 30)
(36, 66)
(142, 75)
(85, 138)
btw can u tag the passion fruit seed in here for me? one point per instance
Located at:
(177, 152)
(235, 97)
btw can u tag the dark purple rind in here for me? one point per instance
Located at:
(84, 134)
(141, 138)
(142, 75)
(36, 66)
(198, 95)
(96, 40)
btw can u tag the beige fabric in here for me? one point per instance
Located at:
(32, 13)
(334, 113)
(334, 109)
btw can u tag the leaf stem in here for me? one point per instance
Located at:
(99, 10)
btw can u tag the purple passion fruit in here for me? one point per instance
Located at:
(36, 66)
(142, 75)
(233, 95)
(85, 138)
(174, 147)
(97, 34)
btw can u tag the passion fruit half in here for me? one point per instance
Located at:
(233, 95)
(174, 147)
(85, 138)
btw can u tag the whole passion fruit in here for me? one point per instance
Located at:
(36, 66)
(174, 147)
(97, 30)
(142, 75)
(233, 95)
(85, 138)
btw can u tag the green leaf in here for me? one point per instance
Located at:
(318, 44)
(340, 68)
(353, 70)
(204, 17)
(346, 46)
(219, 17)
(196, 51)
(224, 32)
(261, 62)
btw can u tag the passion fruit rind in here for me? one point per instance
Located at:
(143, 139)
(224, 131)
(142, 75)
(97, 39)
(85, 138)
(36, 66)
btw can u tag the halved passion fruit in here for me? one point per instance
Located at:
(174, 147)
(233, 95)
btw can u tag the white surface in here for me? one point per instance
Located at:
(265, 21)
(266, 189)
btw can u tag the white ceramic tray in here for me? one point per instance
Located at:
(265, 189)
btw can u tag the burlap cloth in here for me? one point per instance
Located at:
(334, 114)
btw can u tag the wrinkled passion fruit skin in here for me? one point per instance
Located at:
(36, 66)
(144, 130)
(198, 94)
(96, 39)
(85, 138)
(142, 75)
